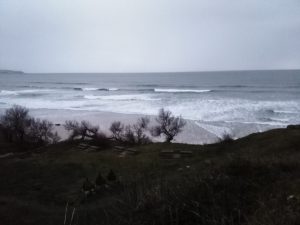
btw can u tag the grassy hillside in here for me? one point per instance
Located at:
(253, 180)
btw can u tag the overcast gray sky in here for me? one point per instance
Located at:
(149, 35)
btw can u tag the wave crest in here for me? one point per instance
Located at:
(24, 92)
(95, 89)
(172, 90)
(121, 97)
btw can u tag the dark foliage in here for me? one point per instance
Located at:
(253, 181)
(131, 134)
(168, 125)
(101, 140)
(100, 180)
(16, 122)
(111, 176)
(226, 138)
(41, 132)
(81, 130)
(19, 127)
(117, 130)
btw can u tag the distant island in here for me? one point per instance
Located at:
(11, 72)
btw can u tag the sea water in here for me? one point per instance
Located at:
(237, 102)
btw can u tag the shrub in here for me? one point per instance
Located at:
(117, 130)
(101, 140)
(81, 130)
(111, 176)
(131, 134)
(226, 138)
(139, 130)
(16, 122)
(168, 125)
(40, 132)
(84, 130)
(18, 126)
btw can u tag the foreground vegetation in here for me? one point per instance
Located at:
(253, 180)
(27, 133)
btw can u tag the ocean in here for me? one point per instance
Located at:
(235, 103)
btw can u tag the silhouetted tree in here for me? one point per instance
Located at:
(15, 123)
(131, 134)
(140, 128)
(19, 127)
(41, 132)
(117, 129)
(81, 130)
(168, 125)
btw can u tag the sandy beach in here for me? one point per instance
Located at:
(192, 133)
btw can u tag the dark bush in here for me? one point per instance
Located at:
(168, 125)
(41, 132)
(226, 138)
(131, 134)
(100, 180)
(101, 140)
(81, 130)
(117, 129)
(19, 127)
(111, 176)
(85, 131)
(16, 122)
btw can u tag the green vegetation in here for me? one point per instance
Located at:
(253, 180)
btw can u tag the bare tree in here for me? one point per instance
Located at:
(81, 130)
(15, 122)
(168, 125)
(19, 127)
(140, 128)
(41, 132)
(117, 130)
(131, 134)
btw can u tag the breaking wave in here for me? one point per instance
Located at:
(23, 92)
(122, 97)
(180, 90)
(95, 89)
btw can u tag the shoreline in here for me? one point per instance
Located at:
(191, 134)
(195, 132)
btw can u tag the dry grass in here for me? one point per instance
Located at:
(254, 180)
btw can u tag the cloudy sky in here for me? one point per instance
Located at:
(149, 35)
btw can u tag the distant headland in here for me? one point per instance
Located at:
(11, 72)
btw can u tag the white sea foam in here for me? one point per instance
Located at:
(113, 89)
(219, 131)
(269, 123)
(122, 97)
(96, 89)
(286, 111)
(19, 92)
(218, 103)
(4, 92)
(90, 89)
(180, 90)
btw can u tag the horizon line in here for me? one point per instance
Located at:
(164, 72)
